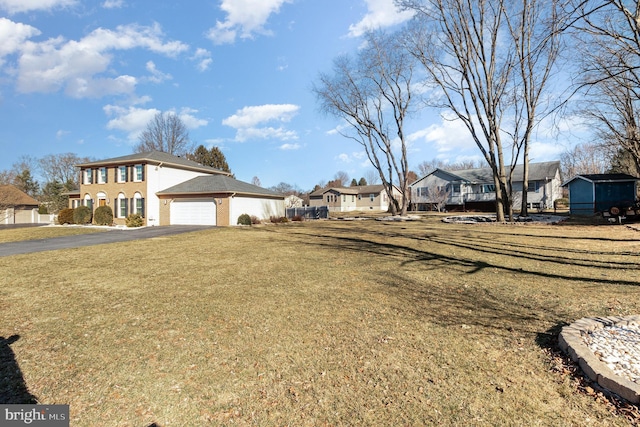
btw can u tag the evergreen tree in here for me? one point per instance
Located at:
(213, 158)
(362, 182)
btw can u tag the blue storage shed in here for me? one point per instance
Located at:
(592, 193)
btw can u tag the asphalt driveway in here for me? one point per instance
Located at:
(90, 239)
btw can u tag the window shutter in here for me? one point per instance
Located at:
(106, 175)
(132, 205)
(142, 167)
(142, 207)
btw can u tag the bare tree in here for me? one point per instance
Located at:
(61, 168)
(459, 44)
(438, 195)
(428, 166)
(608, 34)
(588, 158)
(256, 181)
(373, 94)
(340, 179)
(482, 56)
(534, 27)
(371, 177)
(165, 132)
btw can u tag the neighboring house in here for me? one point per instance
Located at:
(17, 207)
(474, 189)
(358, 198)
(293, 201)
(593, 193)
(166, 190)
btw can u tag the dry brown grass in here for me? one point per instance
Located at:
(318, 323)
(44, 232)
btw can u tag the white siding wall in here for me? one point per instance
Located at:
(160, 178)
(262, 208)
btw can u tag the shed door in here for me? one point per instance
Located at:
(193, 212)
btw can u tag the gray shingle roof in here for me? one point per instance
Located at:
(537, 171)
(358, 189)
(156, 158)
(218, 184)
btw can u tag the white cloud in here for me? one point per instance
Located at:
(249, 122)
(13, 35)
(131, 120)
(545, 151)
(62, 133)
(75, 66)
(203, 59)
(287, 147)
(113, 4)
(245, 134)
(447, 136)
(344, 157)
(254, 115)
(17, 6)
(380, 14)
(244, 19)
(157, 76)
(189, 119)
(134, 120)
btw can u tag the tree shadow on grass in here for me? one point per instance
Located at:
(13, 389)
(368, 240)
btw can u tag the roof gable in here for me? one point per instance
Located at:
(11, 195)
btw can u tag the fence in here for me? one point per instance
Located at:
(309, 212)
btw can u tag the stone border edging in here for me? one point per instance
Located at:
(572, 343)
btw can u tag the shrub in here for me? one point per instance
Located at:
(561, 203)
(279, 219)
(103, 216)
(82, 215)
(134, 220)
(43, 210)
(255, 220)
(297, 218)
(65, 216)
(244, 219)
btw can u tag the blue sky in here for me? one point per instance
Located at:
(87, 76)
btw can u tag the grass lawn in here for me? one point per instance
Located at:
(44, 232)
(318, 323)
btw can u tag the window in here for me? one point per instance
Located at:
(121, 206)
(138, 206)
(359, 196)
(102, 176)
(344, 197)
(535, 186)
(139, 173)
(371, 197)
(88, 176)
(488, 188)
(122, 174)
(456, 188)
(353, 198)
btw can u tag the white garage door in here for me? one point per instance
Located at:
(193, 212)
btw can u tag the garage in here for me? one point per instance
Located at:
(200, 211)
